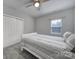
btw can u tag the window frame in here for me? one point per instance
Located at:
(51, 27)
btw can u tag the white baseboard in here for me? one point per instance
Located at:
(11, 43)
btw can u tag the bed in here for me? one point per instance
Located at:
(45, 43)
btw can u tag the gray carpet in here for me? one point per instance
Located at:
(14, 52)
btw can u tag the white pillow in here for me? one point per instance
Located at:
(35, 33)
(28, 34)
(71, 40)
(66, 35)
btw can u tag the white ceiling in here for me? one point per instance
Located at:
(47, 7)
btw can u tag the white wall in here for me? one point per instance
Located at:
(12, 30)
(28, 20)
(42, 24)
(68, 17)
(28, 25)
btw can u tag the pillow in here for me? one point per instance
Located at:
(28, 34)
(71, 40)
(67, 34)
(35, 33)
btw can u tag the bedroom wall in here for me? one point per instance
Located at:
(28, 26)
(68, 17)
(28, 20)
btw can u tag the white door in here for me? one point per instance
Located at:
(12, 30)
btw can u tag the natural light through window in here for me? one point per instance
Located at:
(56, 26)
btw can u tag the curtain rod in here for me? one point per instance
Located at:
(13, 17)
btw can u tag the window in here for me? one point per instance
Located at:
(56, 26)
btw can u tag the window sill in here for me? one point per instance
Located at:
(55, 33)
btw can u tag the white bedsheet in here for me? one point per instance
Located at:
(44, 40)
(43, 36)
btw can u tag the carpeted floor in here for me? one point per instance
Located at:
(14, 52)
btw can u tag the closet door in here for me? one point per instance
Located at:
(12, 30)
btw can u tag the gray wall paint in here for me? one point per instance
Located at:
(42, 24)
(68, 17)
(28, 25)
(28, 20)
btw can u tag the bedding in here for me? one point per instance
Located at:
(43, 40)
(47, 44)
(66, 35)
(43, 36)
(71, 40)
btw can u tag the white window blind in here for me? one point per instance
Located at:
(56, 26)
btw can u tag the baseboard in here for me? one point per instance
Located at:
(11, 43)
